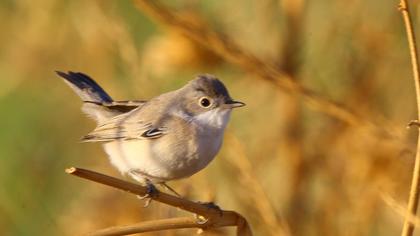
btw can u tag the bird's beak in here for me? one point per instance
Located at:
(234, 104)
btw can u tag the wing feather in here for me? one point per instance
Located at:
(150, 120)
(123, 127)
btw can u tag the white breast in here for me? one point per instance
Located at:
(134, 154)
(125, 155)
(215, 118)
(210, 136)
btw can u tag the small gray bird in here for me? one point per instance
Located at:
(168, 137)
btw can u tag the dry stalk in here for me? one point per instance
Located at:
(149, 226)
(413, 200)
(292, 110)
(214, 218)
(275, 225)
(400, 209)
(231, 52)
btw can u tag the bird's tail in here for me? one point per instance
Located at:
(87, 89)
(96, 102)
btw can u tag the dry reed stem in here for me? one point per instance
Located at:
(214, 218)
(231, 52)
(149, 226)
(400, 209)
(292, 109)
(276, 225)
(413, 200)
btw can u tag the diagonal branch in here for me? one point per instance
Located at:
(214, 217)
(400, 209)
(231, 52)
(413, 200)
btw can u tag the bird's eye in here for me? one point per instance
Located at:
(204, 102)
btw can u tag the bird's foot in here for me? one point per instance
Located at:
(211, 205)
(201, 220)
(151, 192)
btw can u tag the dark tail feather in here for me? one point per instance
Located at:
(87, 89)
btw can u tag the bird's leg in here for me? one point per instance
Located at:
(211, 205)
(170, 189)
(152, 191)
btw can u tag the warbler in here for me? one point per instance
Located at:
(171, 136)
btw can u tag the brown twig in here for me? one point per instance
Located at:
(413, 200)
(149, 226)
(231, 52)
(214, 217)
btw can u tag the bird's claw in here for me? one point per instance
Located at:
(151, 192)
(201, 220)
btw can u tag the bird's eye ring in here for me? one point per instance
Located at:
(205, 102)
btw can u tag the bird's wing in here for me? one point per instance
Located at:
(126, 126)
(123, 106)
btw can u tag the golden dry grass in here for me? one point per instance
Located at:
(285, 166)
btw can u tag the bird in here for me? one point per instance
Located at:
(168, 137)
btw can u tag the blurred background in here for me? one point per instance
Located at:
(288, 169)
